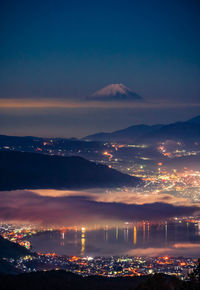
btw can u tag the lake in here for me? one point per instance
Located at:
(172, 238)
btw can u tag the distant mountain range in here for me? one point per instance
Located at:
(124, 135)
(115, 92)
(195, 120)
(22, 170)
(180, 131)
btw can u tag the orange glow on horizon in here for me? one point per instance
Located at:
(72, 103)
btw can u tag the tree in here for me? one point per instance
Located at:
(195, 276)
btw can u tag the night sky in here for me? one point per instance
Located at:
(54, 54)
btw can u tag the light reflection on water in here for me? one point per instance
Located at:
(173, 239)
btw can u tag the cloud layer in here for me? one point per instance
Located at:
(29, 206)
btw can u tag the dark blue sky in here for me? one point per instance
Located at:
(69, 49)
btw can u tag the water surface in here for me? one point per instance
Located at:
(173, 239)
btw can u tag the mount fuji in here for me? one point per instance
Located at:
(115, 92)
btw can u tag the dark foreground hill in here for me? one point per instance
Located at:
(61, 280)
(7, 268)
(20, 170)
(11, 250)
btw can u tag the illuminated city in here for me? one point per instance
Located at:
(100, 145)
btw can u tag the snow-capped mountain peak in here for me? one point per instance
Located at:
(115, 92)
(112, 90)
